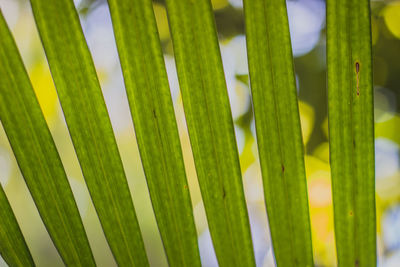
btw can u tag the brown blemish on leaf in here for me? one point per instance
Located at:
(358, 77)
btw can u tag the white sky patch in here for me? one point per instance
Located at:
(99, 35)
(172, 76)
(234, 59)
(391, 229)
(81, 195)
(236, 3)
(386, 158)
(207, 253)
(5, 167)
(2, 262)
(306, 19)
(11, 11)
(240, 139)
(117, 102)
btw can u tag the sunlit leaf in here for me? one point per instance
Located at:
(90, 127)
(211, 130)
(278, 130)
(37, 158)
(351, 130)
(13, 248)
(155, 126)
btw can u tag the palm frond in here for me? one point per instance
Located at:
(38, 158)
(155, 126)
(351, 130)
(211, 131)
(278, 129)
(90, 127)
(13, 247)
(210, 126)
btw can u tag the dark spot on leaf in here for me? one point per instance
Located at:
(351, 213)
(154, 113)
(356, 263)
(283, 168)
(358, 77)
(223, 193)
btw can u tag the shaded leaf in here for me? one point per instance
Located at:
(278, 130)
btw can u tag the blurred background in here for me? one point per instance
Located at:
(307, 28)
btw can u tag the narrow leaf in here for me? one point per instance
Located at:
(13, 248)
(351, 130)
(211, 131)
(90, 128)
(37, 156)
(278, 130)
(156, 130)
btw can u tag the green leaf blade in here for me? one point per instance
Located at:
(90, 128)
(211, 131)
(278, 130)
(37, 156)
(351, 130)
(155, 126)
(13, 248)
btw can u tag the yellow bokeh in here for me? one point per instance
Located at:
(322, 152)
(389, 129)
(45, 91)
(321, 210)
(247, 156)
(307, 117)
(325, 127)
(391, 14)
(218, 4)
(162, 21)
(319, 181)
